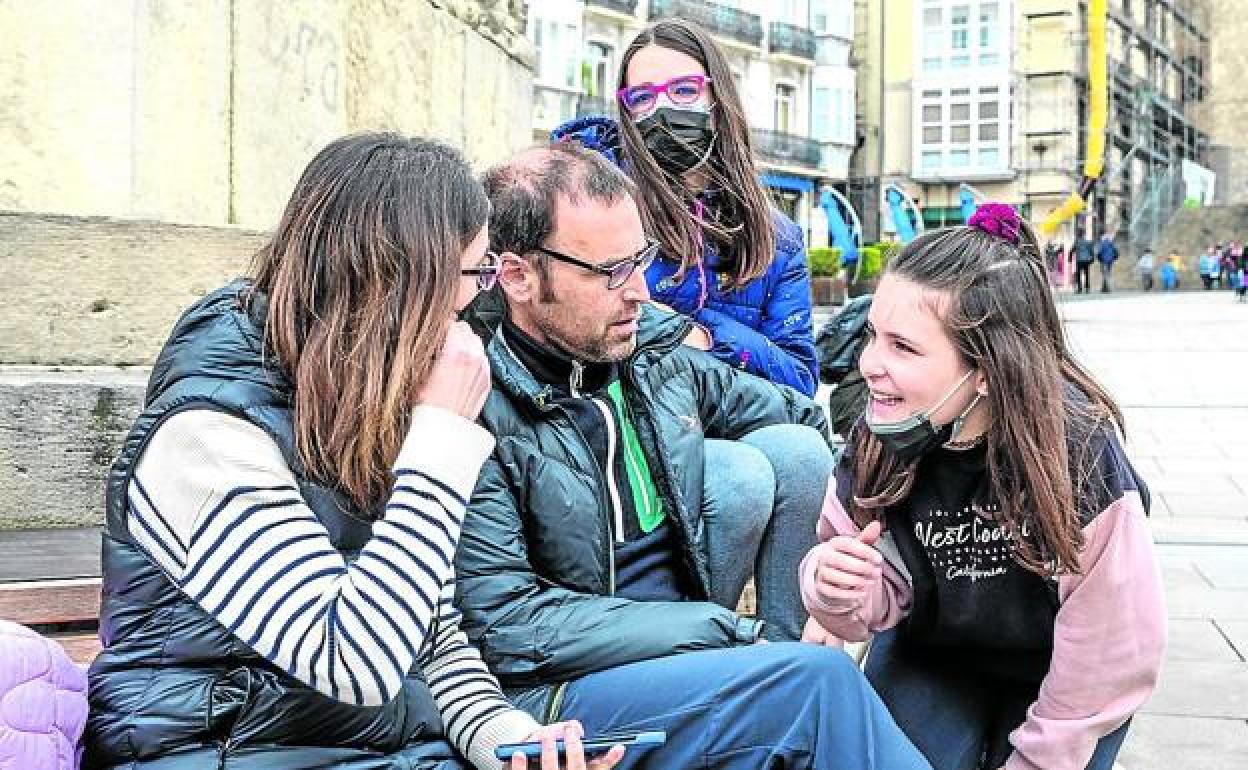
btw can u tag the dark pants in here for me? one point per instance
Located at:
(1107, 270)
(1083, 281)
(778, 706)
(959, 721)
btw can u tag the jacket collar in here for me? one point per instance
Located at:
(657, 330)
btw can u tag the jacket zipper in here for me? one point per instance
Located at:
(660, 472)
(613, 489)
(601, 499)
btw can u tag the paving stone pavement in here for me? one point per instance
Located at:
(1178, 365)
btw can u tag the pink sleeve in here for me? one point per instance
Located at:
(883, 608)
(1107, 645)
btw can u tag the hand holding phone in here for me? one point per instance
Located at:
(571, 751)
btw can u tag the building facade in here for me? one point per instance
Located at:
(795, 80)
(993, 93)
(1228, 100)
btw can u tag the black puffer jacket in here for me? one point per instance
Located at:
(172, 687)
(535, 566)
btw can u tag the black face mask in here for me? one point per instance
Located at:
(678, 139)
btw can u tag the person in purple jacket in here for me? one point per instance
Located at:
(736, 266)
(985, 523)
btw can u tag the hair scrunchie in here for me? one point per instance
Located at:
(998, 219)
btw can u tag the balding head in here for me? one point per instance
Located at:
(525, 189)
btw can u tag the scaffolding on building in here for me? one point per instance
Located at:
(1157, 92)
(1051, 113)
(1158, 53)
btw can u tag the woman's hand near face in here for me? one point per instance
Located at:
(460, 379)
(571, 733)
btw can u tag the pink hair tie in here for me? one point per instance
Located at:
(998, 219)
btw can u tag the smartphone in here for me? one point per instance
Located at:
(595, 746)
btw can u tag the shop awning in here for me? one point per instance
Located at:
(788, 182)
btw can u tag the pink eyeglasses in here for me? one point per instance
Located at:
(640, 100)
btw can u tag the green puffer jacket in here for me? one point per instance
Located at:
(535, 566)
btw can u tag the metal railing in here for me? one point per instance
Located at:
(717, 19)
(626, 7)
(791, 39)
(786, 149)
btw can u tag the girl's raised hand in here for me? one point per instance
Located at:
(849, 568)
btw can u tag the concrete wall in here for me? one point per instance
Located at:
(205, 112)
(115, 108)
(146, 146)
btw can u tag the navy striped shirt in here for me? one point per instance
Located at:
(213, 502)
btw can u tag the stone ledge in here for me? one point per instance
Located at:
(60, 431)
(99, 290)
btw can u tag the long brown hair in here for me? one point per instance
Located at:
(739, 223)
(1044, 408)
(361, 277)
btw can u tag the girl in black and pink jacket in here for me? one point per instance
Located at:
(984, 522)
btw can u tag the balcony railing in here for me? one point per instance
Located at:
(792, 40)
(717, 19)
(626, 7)
(784, 149)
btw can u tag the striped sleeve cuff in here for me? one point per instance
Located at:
(447, 447)
(511, 726)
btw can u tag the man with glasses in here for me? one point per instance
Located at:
(581, 571)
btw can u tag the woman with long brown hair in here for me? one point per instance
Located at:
(736, 266)
(282, 518)
(985, 522)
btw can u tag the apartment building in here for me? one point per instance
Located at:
(790, 60)
(993, 93)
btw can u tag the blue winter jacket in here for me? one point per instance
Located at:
(765, 327)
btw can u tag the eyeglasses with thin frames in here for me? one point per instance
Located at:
(486, 273)
(617, 273)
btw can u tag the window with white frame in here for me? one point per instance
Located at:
(961, 34)
(820, 20)
(833, 114)
(789, 12)
(843, 115)
(989, 33)
(933, 39)
(558, 45)
(963, 128)
(599, 60)
(832, 17)
(821, 117)
(785, 103)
